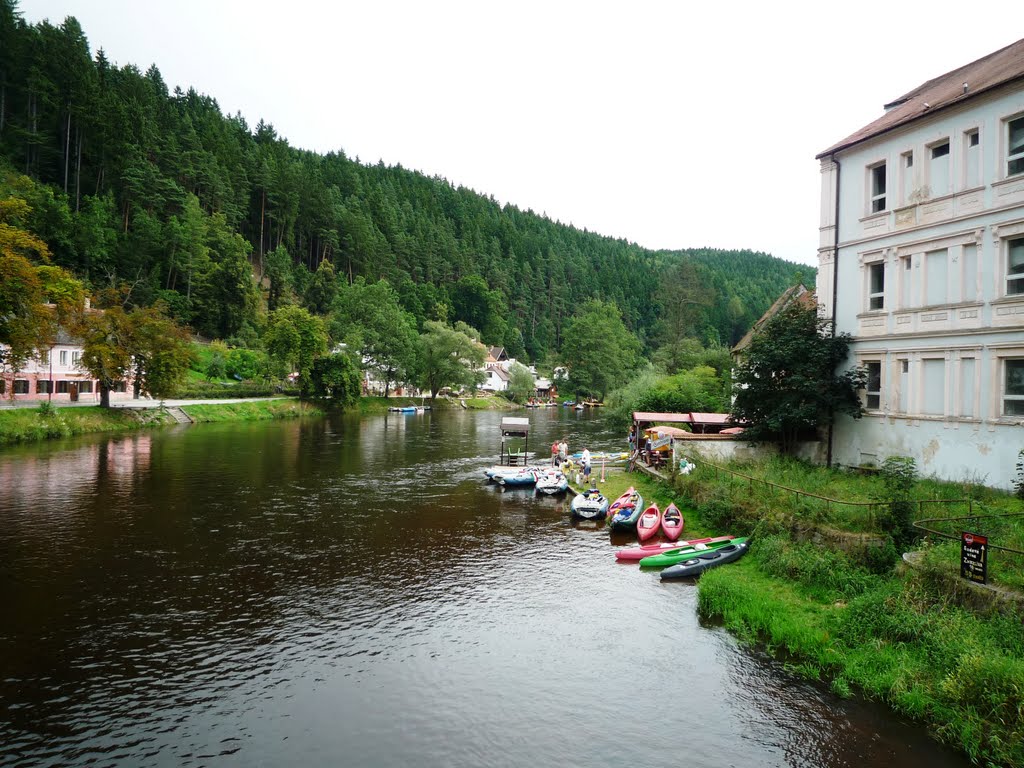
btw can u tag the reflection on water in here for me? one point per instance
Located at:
(351, 592)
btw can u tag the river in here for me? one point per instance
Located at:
(350, 592)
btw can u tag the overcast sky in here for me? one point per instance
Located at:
(671, 124)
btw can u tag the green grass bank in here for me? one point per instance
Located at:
(26, 425)
(824, 589)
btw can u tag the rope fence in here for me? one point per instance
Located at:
(870, 506)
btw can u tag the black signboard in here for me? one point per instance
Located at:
(974, 557)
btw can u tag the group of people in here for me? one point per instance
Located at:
(560, 455)
(559, 452)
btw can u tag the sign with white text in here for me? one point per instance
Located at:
(974, 557)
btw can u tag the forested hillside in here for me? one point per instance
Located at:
(134, 184)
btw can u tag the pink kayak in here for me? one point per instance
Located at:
(646, 550)
(621, 503)
(649, 523)
(672, 522)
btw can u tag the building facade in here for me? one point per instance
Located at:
(921, 260)
(54, 374)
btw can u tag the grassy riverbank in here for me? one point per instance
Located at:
(372, 405)
(26, 425)
(824, 589)
(254, 410)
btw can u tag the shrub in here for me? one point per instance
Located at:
(899, 476)
(879, 559)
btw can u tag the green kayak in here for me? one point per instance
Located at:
(673, 556)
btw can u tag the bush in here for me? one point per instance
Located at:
(879, 559)
(899, 476)
(244, 389)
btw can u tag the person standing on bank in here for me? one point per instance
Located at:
(585, 461)
(563, 452)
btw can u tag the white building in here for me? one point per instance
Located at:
(922, 260)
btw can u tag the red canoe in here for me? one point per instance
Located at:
(621, 502)
(646, 550)
(649, 523)
(672, 522)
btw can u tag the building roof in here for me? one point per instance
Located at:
(682, 418)
(793, 293)
(497, 354)
(515, 426)
(970, 80)
(667, 431)
(499, 372)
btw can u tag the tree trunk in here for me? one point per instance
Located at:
(263, 208)
(104, 393)
(67, 150)
(78, 167)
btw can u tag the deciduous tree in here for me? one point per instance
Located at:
(336, 377)
(787, 385)
(294, 339)
(599, 351)
(450, 358)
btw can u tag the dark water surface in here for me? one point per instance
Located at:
(349, 592)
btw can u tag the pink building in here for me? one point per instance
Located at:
(55, 374)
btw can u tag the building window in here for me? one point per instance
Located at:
(939, 170)
(1015, 267)
(907, 169)
(44, 357)
(1013, 392)
(44, 387)
(972, 158)
(876, 285)
(873, 392)
(936, 265)
(1015, 146)
(21, 386)
(64, 357)
(119, 386)
(62, 387)
(76, 356)
(967, 369)
(877, 187)
(933, 383)
(85, 387)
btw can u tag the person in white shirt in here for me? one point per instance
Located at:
(585, 461)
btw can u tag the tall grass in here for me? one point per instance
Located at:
(897, 639)
(24, 425)
(258, 410)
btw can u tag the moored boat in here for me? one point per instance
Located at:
(639, 552)
(649, 522)
(671, 522)
(589, 505)
(552, 481)
(676, 556)
(706, 560)
(516, 476)
(624, 516)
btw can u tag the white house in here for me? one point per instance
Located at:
(921, 259)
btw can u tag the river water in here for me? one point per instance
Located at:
(349, 592)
